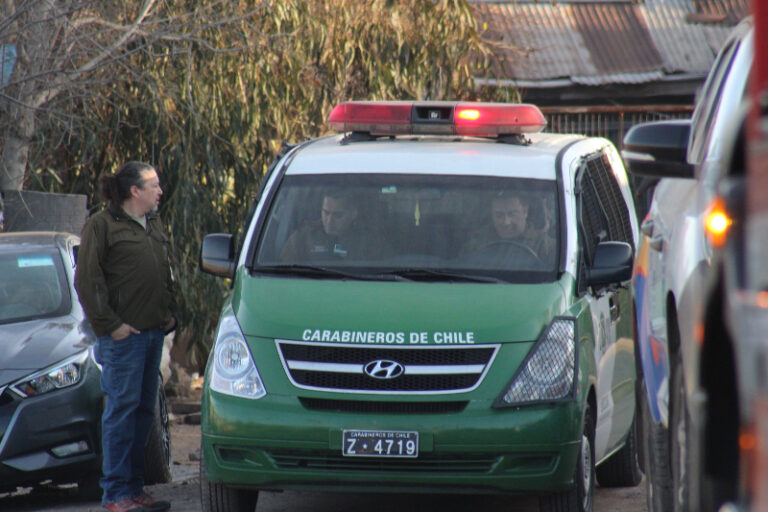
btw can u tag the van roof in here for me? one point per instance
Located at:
(433, 155)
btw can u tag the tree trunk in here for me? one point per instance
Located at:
(13, 162)
(15, 151)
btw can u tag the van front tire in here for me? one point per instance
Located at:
(622, 469)
(658, 467)
(581, 496)
(215, 497)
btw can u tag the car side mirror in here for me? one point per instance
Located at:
(612, 264)
(658, 149)
(217, 255)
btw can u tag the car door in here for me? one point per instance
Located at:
(604, 215)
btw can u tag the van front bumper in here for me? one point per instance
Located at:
(276, 443)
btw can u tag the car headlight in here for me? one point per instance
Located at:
(233, 370)
(549, 372)
(61, 375)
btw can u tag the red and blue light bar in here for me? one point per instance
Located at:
(382, 118)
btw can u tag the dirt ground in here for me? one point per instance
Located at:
(183, 491)
(184, 495)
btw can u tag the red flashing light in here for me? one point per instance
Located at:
(467, 114)
(493, 119)
(452, 118)
(376, 118)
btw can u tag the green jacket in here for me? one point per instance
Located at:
(123, 272)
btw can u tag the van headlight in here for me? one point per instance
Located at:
(233, 370)
(549, 372)
(61, 375)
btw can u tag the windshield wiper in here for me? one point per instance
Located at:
(428, 274)
(320, 271)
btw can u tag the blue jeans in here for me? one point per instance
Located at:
(129, 378)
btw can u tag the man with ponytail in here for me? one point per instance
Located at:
(125, 286)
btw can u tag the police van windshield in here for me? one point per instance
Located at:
(414, 226)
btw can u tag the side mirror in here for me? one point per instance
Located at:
(658, 149)
(217, 255)
(612, 264)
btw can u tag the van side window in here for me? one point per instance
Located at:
(602, 211)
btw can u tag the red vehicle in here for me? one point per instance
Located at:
(735, 329)
(754, 434)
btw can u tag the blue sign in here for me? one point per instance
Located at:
(7, 61)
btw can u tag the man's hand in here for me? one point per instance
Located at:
(171, 325)
(123, 332)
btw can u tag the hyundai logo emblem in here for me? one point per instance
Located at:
(384, 369)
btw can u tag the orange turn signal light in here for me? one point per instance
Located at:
(717, 222)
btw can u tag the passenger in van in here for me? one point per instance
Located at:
(335, 235)
(511, 224)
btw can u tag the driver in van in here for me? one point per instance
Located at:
(335, 235)
(511, 224)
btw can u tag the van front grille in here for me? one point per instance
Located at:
(377, 369)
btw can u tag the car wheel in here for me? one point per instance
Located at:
(157, 452)
(88, 487)
(622, 469)
(581, 497)
(678, 425)
(658, 472)
(216, 497)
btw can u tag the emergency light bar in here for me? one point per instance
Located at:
(382, 118)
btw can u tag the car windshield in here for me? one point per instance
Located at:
(32, 285)
(411, 227)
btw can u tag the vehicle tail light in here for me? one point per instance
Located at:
(437, 117)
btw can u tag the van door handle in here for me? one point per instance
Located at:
(613, 307)
(647, 227)
(656, 243)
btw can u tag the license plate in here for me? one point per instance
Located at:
(380, 443)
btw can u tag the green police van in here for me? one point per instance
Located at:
(432, 300)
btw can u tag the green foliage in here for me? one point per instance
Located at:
(212, 107)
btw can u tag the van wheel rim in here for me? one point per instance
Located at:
(586, 461)
(682, 457)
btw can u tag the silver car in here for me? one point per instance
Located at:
(690, 427)
(50, 394)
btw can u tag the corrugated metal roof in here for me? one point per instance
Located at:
(616, 38)
(728, 11)
(537, 41)
(685, 47)
(595, 43)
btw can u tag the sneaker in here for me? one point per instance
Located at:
(150, 503)
(126, 506)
